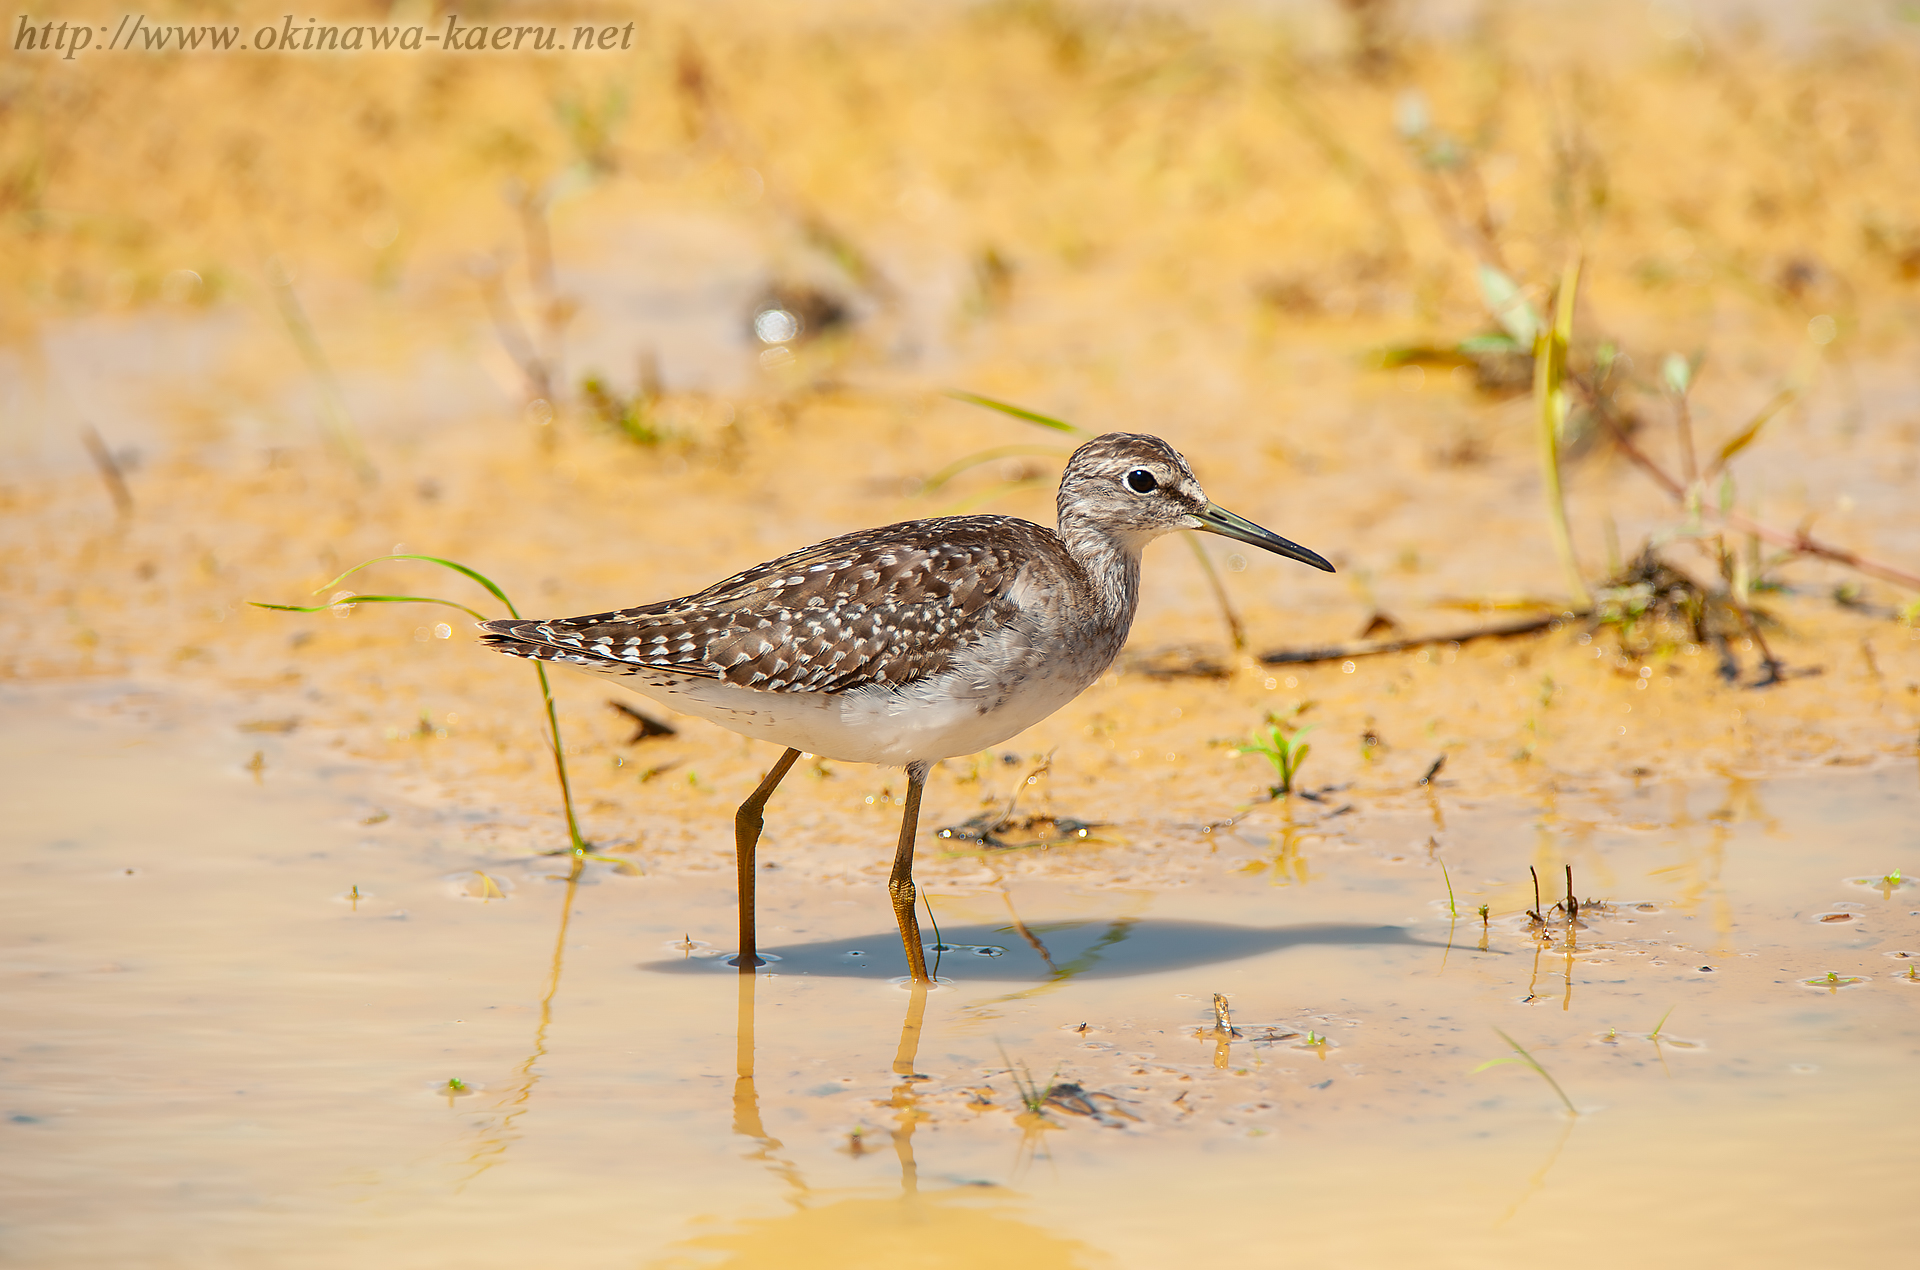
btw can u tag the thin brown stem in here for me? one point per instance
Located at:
(1798, 541)
(109, 468)
(1683, 424)
(1235, 631)
(1374, 647)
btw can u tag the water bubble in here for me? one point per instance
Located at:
(775, 326)
(180, 286)
(1410, 114)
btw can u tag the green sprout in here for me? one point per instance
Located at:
(1032, 1095)
(1520, 1055)
(1453, 910)
(631, 417)
(1655, 1034)
(1285, 751)
(1553, 405)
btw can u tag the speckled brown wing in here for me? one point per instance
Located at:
(885, 606)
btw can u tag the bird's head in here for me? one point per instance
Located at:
(1135, 488)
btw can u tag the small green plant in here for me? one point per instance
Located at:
(1655, 1034)
(1032, 1095)
(1285, 750)
(1453, 910)
(1552, 402)
(456, 1085)
(1520, 1055)
(577, 844)
(1313, 1039)
(631, 417)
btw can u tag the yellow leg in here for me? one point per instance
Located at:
(747, 823)
(900, 885)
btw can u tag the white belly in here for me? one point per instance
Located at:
(942, 717)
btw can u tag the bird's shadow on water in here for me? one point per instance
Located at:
(1038, 952)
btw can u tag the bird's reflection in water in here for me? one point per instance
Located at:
(746, 1098)
(960, 1226)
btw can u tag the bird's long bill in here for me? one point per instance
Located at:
(1218, 520)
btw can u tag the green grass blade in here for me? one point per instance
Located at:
(560, 763)
(1534, 1063)
(1018, 412)
(1550, 401)
(955, 468)
(1745, 436)
(1236, 633)
(993, 494)
(578, 843)
(369, 599)
(1509, 306)
(475, 574)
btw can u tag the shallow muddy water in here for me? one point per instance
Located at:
(240, 989)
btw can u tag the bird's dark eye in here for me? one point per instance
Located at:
(1141, 481)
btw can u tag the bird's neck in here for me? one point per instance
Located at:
(1112, 562)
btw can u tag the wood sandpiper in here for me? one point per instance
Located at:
(907, 644)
